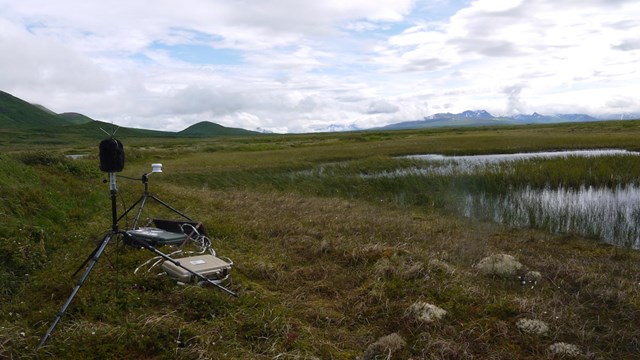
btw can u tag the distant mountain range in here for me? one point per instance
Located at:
(483, 118)
(17, 115)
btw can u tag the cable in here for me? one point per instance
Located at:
(201, 242)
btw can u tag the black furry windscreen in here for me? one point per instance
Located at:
(111, 155)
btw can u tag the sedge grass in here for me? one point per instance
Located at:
(325, 268)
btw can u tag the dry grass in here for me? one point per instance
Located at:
(346, 268)
(326, 277)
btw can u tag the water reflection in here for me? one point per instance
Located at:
(76, 156)
(499, 158)
(442, 165)
(611, 215)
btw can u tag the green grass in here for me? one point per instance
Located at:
(327, 262)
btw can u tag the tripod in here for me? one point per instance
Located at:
(93, 258)
(143, 200)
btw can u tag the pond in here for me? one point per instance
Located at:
(76, 156)
(458, 165)
(611, 214)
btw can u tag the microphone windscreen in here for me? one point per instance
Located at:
(111, 155)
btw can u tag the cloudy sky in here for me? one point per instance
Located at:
(301, 66)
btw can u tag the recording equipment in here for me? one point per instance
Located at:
(111, 155)
(153, 236)
(178, 226)
(207, 269)
(209, 266)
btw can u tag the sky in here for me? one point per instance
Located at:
(290, 66)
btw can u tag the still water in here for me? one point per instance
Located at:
(498, 158)
(609, 214)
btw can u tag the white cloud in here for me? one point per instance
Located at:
(382, 107)
(32, 62)
(297, 66)
(549, 47)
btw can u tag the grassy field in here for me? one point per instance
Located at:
(329, 264)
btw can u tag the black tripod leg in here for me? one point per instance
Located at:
(142, 198)
(96, 255)
(171, 208)
(93, 253)
(137, 217)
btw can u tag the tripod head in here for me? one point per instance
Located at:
(155, 168)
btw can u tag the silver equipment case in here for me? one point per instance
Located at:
(209, 266)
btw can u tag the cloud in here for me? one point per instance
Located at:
(623, 103)
(361, 26)
(515, 104)
(299, 58)
(31, 62)
(297, 66)
(492, 48)
(545, 44)
(628, 45)
(382, 107)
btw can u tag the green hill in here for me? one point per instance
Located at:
(44, 108)
(23, 122)
(19, 114)
(75, 118)
(207, 129)
(93, 130)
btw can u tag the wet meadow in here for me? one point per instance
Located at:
(336, 239)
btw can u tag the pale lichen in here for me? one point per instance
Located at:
(500, 265)
(426, 312)
(565, 349)
(532, 277)
(384, 346)
(532, 327)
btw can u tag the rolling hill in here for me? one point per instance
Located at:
(75, 118)
(207, 129)
(20, 117)
(19, 114)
